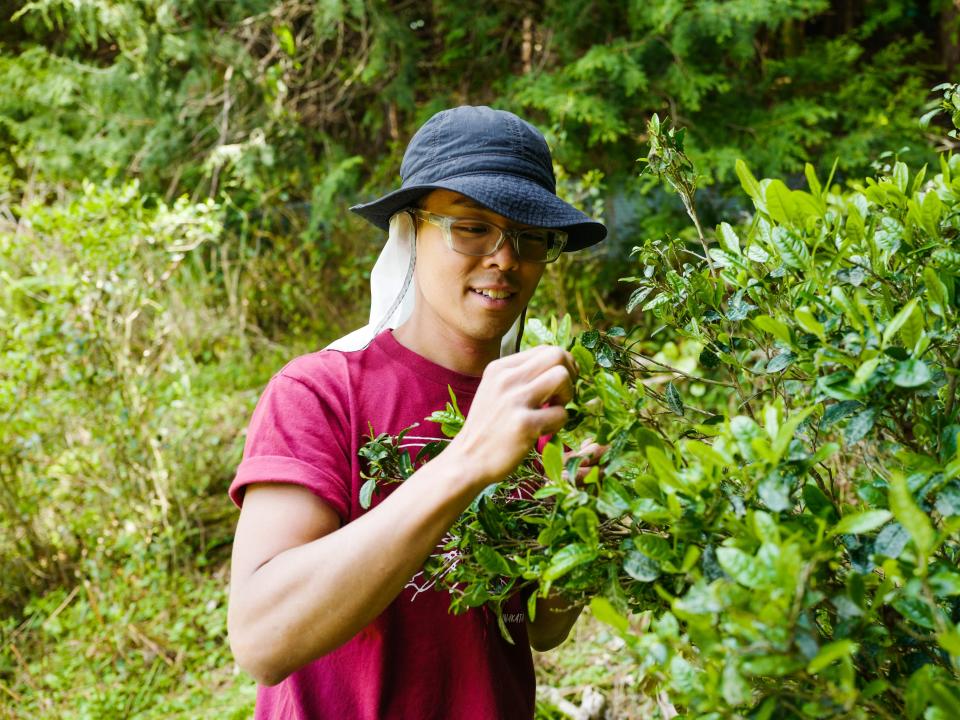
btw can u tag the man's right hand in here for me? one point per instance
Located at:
(520, 398)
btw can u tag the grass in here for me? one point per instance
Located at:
(144, 645)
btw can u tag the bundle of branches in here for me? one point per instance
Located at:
(540, 531)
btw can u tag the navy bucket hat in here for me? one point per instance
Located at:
(492, 157)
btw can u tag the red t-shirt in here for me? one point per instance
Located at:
(416, 660)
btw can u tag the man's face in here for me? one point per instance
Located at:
(454, 291)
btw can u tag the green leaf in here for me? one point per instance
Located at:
(721, 258)
(930, 211)
(640, 567)
(583, 358)
(889, 235)
(662, 466)
(285, 36)
(917, 693)
(736, 690)
(791, 248)
(909, 515)
(491, 561)
(774, 490)
(948, 500)
(838, 411)
(780, 362)
(945, 583)
(773, 665)
(584, 522)
(490, 518)
(812, 181)
(673, 399)
(946, 259)
(772, 326)
(743, 568)
(901, 176)
(861, 523)
(604, 611)
(788, 431)
(936, 292)
(891, 540)
(366, 493)
(806, 320)
(780, 203)
(806, 207)
(950, 641)
(728, 239)
(830, 653)
(864, 373)
(532, 605)
(738, 308)
(915, 610)
(911, 373)
(567, 558)
(638, 296)
(818, 503)
(605, 356)
(749, 182)
(552, 458)
(946, 699)
(898, 321)
(859, 425)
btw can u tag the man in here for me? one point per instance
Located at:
(322, 610)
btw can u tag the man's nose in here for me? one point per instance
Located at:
(506, 257)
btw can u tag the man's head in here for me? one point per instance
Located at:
(492, 157)
(469, 163)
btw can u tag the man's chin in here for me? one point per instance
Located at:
(492, 332)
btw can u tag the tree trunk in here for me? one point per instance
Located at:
(950, 36)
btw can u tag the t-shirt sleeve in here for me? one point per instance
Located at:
(297, 435)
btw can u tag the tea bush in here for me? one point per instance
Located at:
(776, 527)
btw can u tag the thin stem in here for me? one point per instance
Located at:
(678, 371)
(952, 385)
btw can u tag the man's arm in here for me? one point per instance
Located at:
(301, 585)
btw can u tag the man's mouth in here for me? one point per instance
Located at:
(495, 294)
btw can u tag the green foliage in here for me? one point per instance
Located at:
(127, 374)
(134, 331)
(783, 508)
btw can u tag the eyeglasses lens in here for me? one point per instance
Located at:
(474, 237)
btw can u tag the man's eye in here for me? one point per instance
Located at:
(537, 239)
(476, 229)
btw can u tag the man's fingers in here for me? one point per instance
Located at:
(591, 451)
(549, 419)
(531, 363)
(553, 386)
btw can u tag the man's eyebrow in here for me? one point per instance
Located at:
(470, 203)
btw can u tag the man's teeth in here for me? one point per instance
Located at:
(495, 294)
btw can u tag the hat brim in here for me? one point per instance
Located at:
(516, 198)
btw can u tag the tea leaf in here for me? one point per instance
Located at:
(860, 523)
(909, 515)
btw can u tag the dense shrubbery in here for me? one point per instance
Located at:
(783, 511)
(125, 369)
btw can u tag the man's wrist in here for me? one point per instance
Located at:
(467, 466)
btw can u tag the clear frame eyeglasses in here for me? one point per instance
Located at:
(479, 238)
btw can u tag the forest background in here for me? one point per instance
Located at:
(174, 178)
